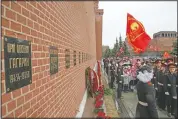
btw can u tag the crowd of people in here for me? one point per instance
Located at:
(155, 81)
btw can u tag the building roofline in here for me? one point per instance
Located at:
(166, 31)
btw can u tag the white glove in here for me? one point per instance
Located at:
(175, 97)
(166, 93)
(120, 81)
(154, 77)
(156, 88)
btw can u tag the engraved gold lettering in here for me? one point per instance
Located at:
(10, 63)
(17, 77)
(22, 49)
(14, 63)
(10, 48)
(25, 61)
(20, 62)
(11, 78)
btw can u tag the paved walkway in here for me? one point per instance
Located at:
(130, 100)
(89, 107)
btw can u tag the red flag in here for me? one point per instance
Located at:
(166, 55)
(136, 34)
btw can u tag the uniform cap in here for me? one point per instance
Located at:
(169, 60)
(158, 61)
(172, 65)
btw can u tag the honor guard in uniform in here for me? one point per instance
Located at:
(170, 90)
(161, 93)
(112, 69)
(119, 81)
(146, 107)
(176, 111)
(156, 75)
(107, 65)
(168, 61)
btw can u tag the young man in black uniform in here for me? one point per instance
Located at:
(119, 81)
(161, 93)
(156, 72)
(112, 69)
(176, 111)
(170, 89)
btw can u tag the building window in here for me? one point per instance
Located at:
(165, 35)
(168, 35)
(74, 56)
(79, 57)
(162, 34)
(171, 35)
(67, 58)
(82, 57)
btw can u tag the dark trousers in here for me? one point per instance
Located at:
(112, 82)
(142, 111)
(171, 104)
(107, 70)
(119, 91)
(161, 100)
(126, 87)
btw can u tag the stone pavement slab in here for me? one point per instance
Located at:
(130, 99)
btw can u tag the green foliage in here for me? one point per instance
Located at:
(174, 51)
(96, 110)
(126, 52)
(108, 91)
(120, 42)
(107, 53)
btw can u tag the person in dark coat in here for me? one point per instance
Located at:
(168, 61)
(112, 69)
(161, 93)
(176, 111)
(119, 81)
(170, 90)
(156, 75)
(107, 66)
(146, 107)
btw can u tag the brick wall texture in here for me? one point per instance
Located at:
(66, 25)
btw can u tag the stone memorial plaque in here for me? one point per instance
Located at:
(53, 59)
(17, 59)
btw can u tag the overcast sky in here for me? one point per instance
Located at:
(155, 16)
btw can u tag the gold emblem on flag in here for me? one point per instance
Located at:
(134, 26)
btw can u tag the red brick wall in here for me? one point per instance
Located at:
(66, 25)
(98, 27)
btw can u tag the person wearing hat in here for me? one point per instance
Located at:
(119, 81)
(156, 72)
(112, 72)
(176, 111)
(169, 60)
(170, 90)
(161, 93)
(146, 107)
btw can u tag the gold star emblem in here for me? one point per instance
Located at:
(134, 26)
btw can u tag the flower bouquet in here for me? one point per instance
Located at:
(102, 115)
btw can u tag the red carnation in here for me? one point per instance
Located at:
(101, 114)
(98, 104)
